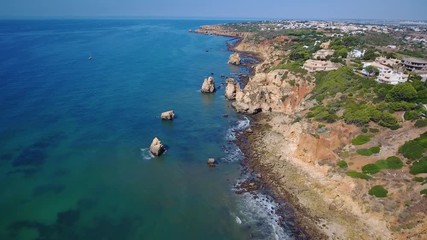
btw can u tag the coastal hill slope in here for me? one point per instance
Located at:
(336, 144)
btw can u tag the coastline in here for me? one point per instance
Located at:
(305, 227)
(327, 204)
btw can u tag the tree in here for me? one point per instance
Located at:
(370, 54)
(372, 71)
(402, 92)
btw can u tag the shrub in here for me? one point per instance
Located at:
(342, 164)
(378, 191)
(419, 166)
(418, 179)
(370, 168)
(421, 123)
(361, 139)
(369, 151)
(411, 115)
(424, 192)
(374, 130)
(394, 163)
(360, 175)
(402, 92)
(412, 150)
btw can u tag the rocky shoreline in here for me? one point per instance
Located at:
(262, 179)
(297, 161)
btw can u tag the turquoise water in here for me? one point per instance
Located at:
(74, 134)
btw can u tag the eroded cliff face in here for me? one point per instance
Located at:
(277, 91)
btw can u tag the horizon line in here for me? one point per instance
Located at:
(203, 18)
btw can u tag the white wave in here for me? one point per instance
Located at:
(240, 126)
(146, 154)
(259, 210)
(232, 153)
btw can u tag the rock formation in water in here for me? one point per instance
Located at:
(211, 162)
(234, 59)
(156, 147)
(168, 115)
(208, 85)
(230, 89)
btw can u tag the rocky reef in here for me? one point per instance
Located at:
(208, 85)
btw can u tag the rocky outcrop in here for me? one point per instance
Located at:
(168, 115)
(212, 162)
(208, 85)
(231, 88)
(156, 147)
(276, 91)
(234, 59)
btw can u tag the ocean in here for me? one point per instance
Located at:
(75, 133)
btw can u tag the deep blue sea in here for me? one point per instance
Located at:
(74, 134)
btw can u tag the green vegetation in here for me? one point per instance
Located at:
(355, 174)
(378, 191)
(361, 139)
(419, 166)
(342, 164)
(415, 149)
(390, 163)
(402, 92)
(424, 192)
(370, 168)
(323, 114)
(291, 66)
(372, 71)
(369, 151)
(421, 123)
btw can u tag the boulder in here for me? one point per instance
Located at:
(211, 162)
(168, 115)
(156, 147)
(234, 59)
(208, 85)
(230, 89)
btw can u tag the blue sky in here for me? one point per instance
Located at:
(223, 9)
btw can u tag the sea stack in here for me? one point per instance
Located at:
(234, 59)
(208, 85)
(230, 89)
(168, 115)
(156, 147)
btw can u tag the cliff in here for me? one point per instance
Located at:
(298, 156)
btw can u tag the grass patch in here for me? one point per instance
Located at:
(378, 191)
(419, 166)
(369, 151)
(361, 139)
(424, 192)
(370, 168)
(419, 179)
(342, 164)
(355, 174)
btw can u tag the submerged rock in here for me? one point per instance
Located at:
(230, 89)
(168, 115)
(234, 59)
(208, 85)
(156, 147)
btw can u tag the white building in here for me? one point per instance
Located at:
(386, 74)
(356, 53)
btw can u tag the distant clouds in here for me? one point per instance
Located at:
(226, 9)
